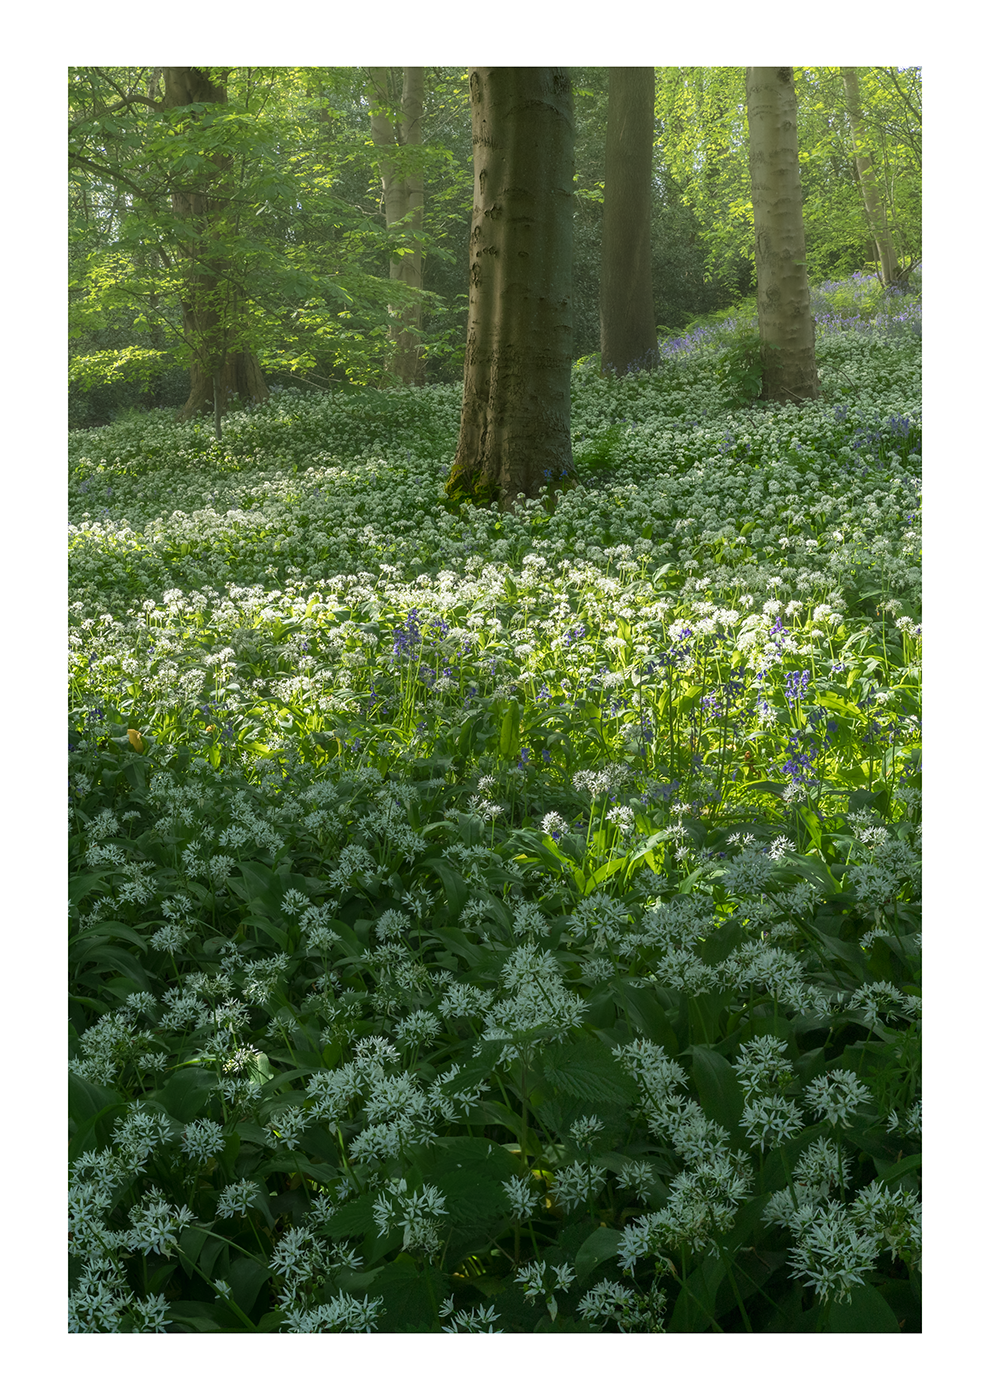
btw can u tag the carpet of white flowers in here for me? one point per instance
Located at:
(491, 922)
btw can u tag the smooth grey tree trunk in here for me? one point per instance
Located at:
(515, 431)
(875, 215)
(783, 296)
(402, 189)
(628, 321)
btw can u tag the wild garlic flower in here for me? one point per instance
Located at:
(417, 1212)
(763, 1065)
(893, 1216)
(598, 917)
(237, 1198)
(835, 1095)
(880, 1001)
(156, 1224)
(578, 1183)
(614, 1302)
(202, 1139)
(909, 1122)
(638, 1178)
(522, 1197)
(136, 1136)
(823, 1167)
(770, 1120)
(287, 1126)
(585, 1130)
(657, 1076)
(418, 1028)
(345, 1313)
(554, 825)
(474, 1320)
(101, 1298)
(532, 1278)
(831, 1252)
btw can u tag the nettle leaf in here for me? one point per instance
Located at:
(471, 1197)
(453, 1154)
(411, 1296)
(353, 1218)
(587, 1070)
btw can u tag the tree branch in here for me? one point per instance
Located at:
(114, 176)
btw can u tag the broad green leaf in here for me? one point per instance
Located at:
(185, 1093)
(600, 1245)
(865, 1311)
(718, 1088)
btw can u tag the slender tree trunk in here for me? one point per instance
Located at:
(402, 186)
(209, 305)
(516, 413)
(876, 217)
(628, 321)
(783, 297)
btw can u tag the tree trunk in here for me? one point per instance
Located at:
(876, 218)
(783, 297)
(628, 321)
(516, 412)
(402, 186)
(210, 309)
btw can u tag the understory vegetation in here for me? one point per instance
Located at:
(489, 922)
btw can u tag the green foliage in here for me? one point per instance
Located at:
(465, 484)
(740, 367)
(500, 923)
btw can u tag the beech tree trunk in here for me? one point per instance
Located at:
(220, 366)
(628, 321)
(783, 297)
(876, 217)
(402, 187)
(516, 412)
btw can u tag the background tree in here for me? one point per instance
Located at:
(898, 158)
(701, 118)
(245, 223)
(208, 217)
(876, 216)
(397, 131)
(515, 429)
(783, 295)
(628, 322)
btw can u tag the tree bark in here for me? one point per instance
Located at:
(219, 367)
(628, 321)
(783, 297)
(876, 218)
(402, 187)
(516, 412)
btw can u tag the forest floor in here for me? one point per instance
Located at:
(494, 922)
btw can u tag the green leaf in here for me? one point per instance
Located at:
(600, 1245)
(411, 1298)
(865, 1311)
(353, 1218)
(587, 1070)
(646, 1015)
(89, 1108)
(185, 1094)
(454, 887)
(472, 1197)
(718, 1089)
(508, 742)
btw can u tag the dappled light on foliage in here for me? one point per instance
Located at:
(503, 922)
